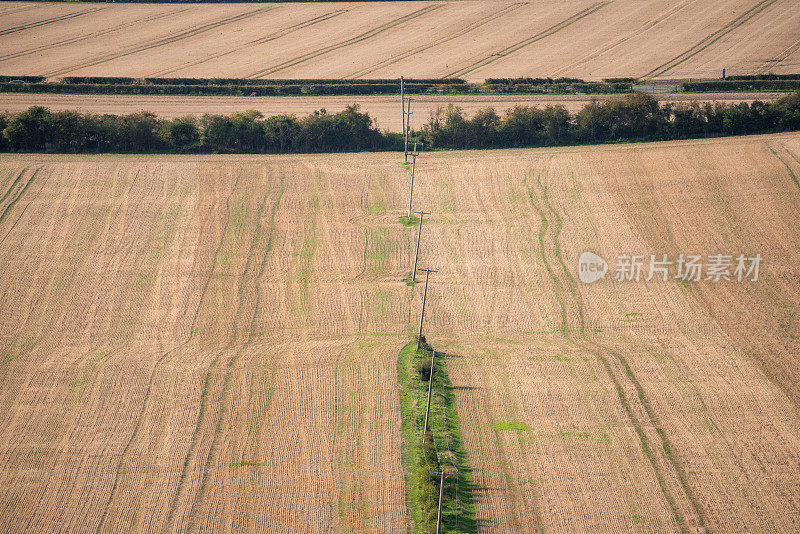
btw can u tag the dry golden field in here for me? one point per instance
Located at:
(196, 343)
(385, 109)
(589, 39)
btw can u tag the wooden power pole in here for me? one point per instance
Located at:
(408, 125)
(422, 215)
(414, 155)
(403, 107)
(424, 298)
(442, 474)
(430, 390)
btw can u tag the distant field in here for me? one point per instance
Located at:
(385, 109)
(199, 343)
(588, 39)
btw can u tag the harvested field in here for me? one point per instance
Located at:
(209, 342)
(588, 39)
(384, 109)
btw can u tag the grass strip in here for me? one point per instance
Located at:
(442, 448)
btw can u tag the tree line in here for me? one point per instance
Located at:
(637, 117)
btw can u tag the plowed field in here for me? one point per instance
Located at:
(589, 39)
(197, 343)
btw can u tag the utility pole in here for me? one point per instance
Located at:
(424, 298)
(403, 107)
(442, 474)
(407, 126)
(430, 389)
(422, 215)
(414, 155)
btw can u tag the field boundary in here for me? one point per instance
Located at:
(441, 449)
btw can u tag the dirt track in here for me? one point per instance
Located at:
(386, 109)
(209, 342)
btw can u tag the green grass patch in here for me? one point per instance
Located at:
(248, 463)
(442, 448)
(377, 208)
(405, 220)
(511, 426)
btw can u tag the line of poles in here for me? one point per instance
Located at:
(406, 111)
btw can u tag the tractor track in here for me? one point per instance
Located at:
(51, 20)
(347, 42)
(607, 48)
(436, 42)
(565, 285)
(555, 28)
(779, 58)
(271, 37)
(710, 39)
(156, 367)
(99, 33)
(161, 42)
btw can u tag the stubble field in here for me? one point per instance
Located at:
(589, 39)
(191, 343)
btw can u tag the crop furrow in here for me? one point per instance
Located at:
(277, 35)
(39, 23)
(224, 398)
(19, 195)
(347, 42)
(785, 164)
(710, 39)
(598, 349)
(555, 28)
(583, 342)
(162, 42)
(437, 42)
(209, 373)
(92, 35)
(607, 48)
(156, 367)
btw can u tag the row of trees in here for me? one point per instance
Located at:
(637, 117)
(40, 130)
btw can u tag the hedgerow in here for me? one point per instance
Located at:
(636, 117)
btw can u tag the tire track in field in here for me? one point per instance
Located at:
(437, 42)
(160, 362)
(224, 397)
(779, 58)
(599, 350)
(642, 29)
(51, 20)
(347, 42)
(785, 164)
(271, 37)
(13, 185)
(666, 445)
(86, 37)
(19, 193)
(710, 39)
(555, 28)
(161, 41)
(36, 195)
(10, 10)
